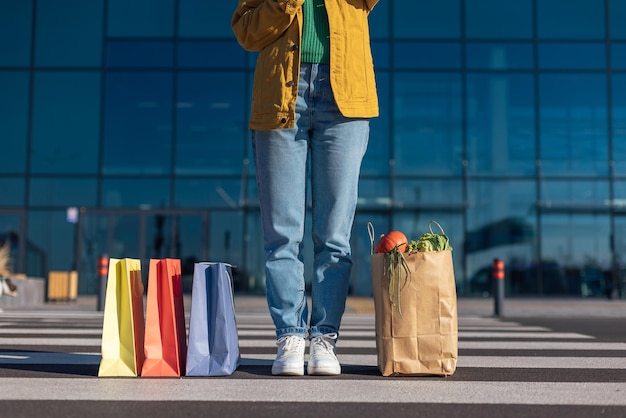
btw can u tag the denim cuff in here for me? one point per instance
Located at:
(321, 330)
(283, 332)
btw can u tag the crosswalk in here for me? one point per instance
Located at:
(46, 355)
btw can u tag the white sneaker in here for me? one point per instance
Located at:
(290, 357)
(322, 357)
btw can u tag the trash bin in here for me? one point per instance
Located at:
(62, 286)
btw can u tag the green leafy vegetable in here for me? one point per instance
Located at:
(433, 242)
(397, 263)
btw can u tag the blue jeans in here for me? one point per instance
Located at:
(335, 145)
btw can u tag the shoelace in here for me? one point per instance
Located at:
(326, 342)
(291, 342)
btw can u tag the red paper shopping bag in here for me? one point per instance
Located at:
(165, 345)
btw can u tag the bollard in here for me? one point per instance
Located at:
(103, 273)
(497, 276)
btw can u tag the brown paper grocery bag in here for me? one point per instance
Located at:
(416, 313)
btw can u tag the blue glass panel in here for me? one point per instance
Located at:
(619, 202)
(379, 21)
(207, 193)
(140, 54)
(14, 121)
(201, 18)
(499, 56)
(428, 124)
(587, 56)
(211, 129)
(255, 254)
(143, 18)
(618, 56)
(10, 227)
(145, 193)
(425, 194)
(225, 228)
(63, 191)
(617, 10)
(374, 193)
(192, 231)
(575, 193)
(582, 261)
(499, 18)
(252, 58)
(427, 55)
(13, 192)
(376, 160)
(116, 234)
(619, 123)
(246, 94)
(491, 201)
(380, 52)
(138, 123)
(576, 19)
(16, 25)
(252, 193)
(158, 237)
(414, 224)
(66, 122)
(427, 19)
(619, 248)
(361, 277)
(500, 124)
(573, 124)
(500, 221)
(211, 54)
(53, 239)
(69, 33)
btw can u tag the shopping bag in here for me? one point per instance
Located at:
(123, 324)
(415, 312)
(213, 342)
(165, 341)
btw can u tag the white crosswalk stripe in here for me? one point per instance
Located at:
(292, 390)
(44, 341)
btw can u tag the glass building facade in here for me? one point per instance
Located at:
(123, 131)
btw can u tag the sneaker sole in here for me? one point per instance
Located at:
(313, 371)
(288, 372)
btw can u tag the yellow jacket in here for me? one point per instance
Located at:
(274, 29)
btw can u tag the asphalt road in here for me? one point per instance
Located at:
(512, 367)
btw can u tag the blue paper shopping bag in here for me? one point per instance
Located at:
(213, 348)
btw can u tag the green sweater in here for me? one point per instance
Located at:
(315, 33)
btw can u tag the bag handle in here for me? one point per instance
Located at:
(370, 231)
(209, 263)
(436, 223)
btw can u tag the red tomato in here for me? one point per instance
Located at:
(390, 240)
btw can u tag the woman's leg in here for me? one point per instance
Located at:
(338, 145)
(281, 168)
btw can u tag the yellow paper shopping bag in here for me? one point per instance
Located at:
(123, 325)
